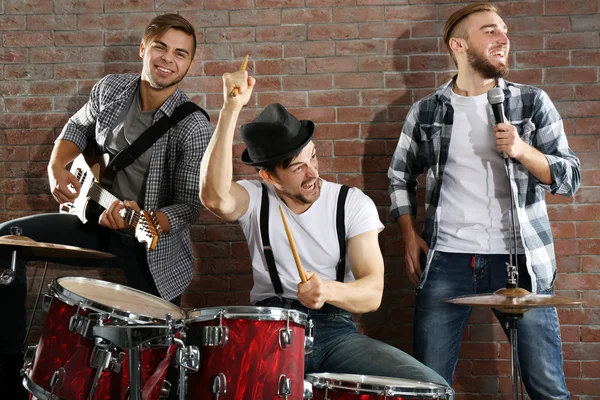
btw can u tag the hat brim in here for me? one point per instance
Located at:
(308, 131)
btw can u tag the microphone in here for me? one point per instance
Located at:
(495, 97)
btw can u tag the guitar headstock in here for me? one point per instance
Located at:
(147, 229)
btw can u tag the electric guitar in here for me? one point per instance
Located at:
(143, 222)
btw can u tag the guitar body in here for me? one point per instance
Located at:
(87, 177)
(91, 194)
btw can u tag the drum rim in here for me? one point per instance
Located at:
(36, 390)
(247, 313)
(328, 380)
(74, 299)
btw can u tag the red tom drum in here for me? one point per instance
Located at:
(247, 353)
(66, 362)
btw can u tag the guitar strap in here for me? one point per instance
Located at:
(129, 154)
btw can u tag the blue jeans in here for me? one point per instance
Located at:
(340, 348)
(439, 326)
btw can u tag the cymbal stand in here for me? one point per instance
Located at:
(37, 300)
(512, 282)
(8, 275)
(513, 228)
(511, 322)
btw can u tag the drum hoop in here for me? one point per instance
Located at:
(247, 313)
(37, 391)
(326, 381)
(74, 299)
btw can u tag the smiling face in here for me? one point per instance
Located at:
(486, 44)
(167, 59)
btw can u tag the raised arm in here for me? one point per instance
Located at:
(218, 192)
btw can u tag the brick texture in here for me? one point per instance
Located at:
(352, 66)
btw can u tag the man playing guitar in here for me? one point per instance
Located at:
(164, 177)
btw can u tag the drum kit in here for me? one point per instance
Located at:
(102, 340)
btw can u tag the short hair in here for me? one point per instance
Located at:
(454, 27)
(162, 23)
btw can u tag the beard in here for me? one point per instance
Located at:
(482, 65)
(305, 200)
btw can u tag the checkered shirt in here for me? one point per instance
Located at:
(173, 177)
(424, 144)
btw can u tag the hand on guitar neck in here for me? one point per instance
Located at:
(117, 214)
(114, 216)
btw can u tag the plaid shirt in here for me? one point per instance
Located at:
(425, 141)
(173, 175)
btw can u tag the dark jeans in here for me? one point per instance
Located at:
(340, 348)
(62, 229)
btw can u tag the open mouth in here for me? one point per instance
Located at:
(163, 70)
(309, 187)
(498, 53)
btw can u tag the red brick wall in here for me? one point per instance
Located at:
(352, 66)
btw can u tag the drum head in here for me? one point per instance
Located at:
(243, 312)
(117, 300)
(366, 384)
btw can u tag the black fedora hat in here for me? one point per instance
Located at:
(274, 136)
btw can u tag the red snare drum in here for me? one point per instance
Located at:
(64, 363)
(247, 353)
(363, 387)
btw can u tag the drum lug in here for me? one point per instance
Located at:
(219, 385)
(215, 336)
(100, 359)
(46, 302)
(189, 358)
(83, 325)
(164, 390)
(284, 388)
(285, 338)
(57, 379)
(308, 392)
(309, 338)
(117, 362)
(30, 354)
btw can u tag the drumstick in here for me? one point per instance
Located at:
(293, 246)
(234, 92)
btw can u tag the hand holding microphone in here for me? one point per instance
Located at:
(507, 138)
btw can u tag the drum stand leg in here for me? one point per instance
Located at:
(512, 321)
(37, 300)
(135, 373)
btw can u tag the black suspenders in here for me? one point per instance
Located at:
(264, 233)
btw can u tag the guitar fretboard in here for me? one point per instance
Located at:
(105, 199)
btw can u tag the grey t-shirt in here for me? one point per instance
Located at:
(130, 183)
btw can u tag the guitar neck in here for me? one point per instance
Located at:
(105, 198)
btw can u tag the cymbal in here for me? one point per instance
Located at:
(30, 249)
(514, 301)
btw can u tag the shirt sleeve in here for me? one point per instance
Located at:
(405, 168)
(186, 206)
(254, 189)
(550, 139)
(361, 214)
(82, 125)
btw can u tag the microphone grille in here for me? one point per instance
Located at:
(495, 95)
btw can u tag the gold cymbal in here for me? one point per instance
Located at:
(30, 249)
(514, 301)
